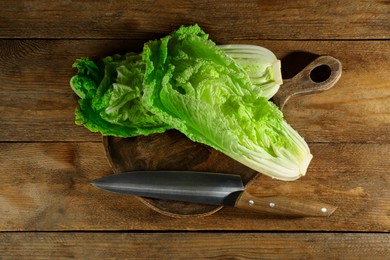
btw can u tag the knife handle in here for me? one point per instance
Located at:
(284, 206)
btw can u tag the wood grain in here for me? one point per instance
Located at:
(96, 245)
(45, 186)
(47, 162)
(37, 104)
(227, 19)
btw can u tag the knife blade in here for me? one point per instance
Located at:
(207, 188)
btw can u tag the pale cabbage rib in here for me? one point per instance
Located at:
(261, 64)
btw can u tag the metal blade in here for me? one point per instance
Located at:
(195, 187)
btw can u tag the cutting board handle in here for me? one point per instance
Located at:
(305, 82)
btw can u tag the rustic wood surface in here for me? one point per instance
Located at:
(193, 245)
(48, 209)
(50, 191)
(310, 19)
(41, 107)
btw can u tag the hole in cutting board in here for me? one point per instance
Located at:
(320, 74)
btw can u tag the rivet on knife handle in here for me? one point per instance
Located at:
(284, 206)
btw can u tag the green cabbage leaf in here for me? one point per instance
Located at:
(110, 97)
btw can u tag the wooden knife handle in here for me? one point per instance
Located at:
(284, 206)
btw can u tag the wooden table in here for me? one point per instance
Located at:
(49, 210)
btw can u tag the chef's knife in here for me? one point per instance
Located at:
(206, 188)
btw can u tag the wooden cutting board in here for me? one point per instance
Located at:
(174, 151)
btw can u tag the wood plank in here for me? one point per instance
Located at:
(94, 245)
(45, 186)
(226, 19)
(36, 101)
(37, 104)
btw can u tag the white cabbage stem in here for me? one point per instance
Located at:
(261, 64)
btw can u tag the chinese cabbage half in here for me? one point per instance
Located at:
(216, 95)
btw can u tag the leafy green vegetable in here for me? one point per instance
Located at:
(195, 87)
(216, 95)
(110, 97)
(115, 87)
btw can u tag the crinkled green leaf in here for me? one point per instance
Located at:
(110, 97)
